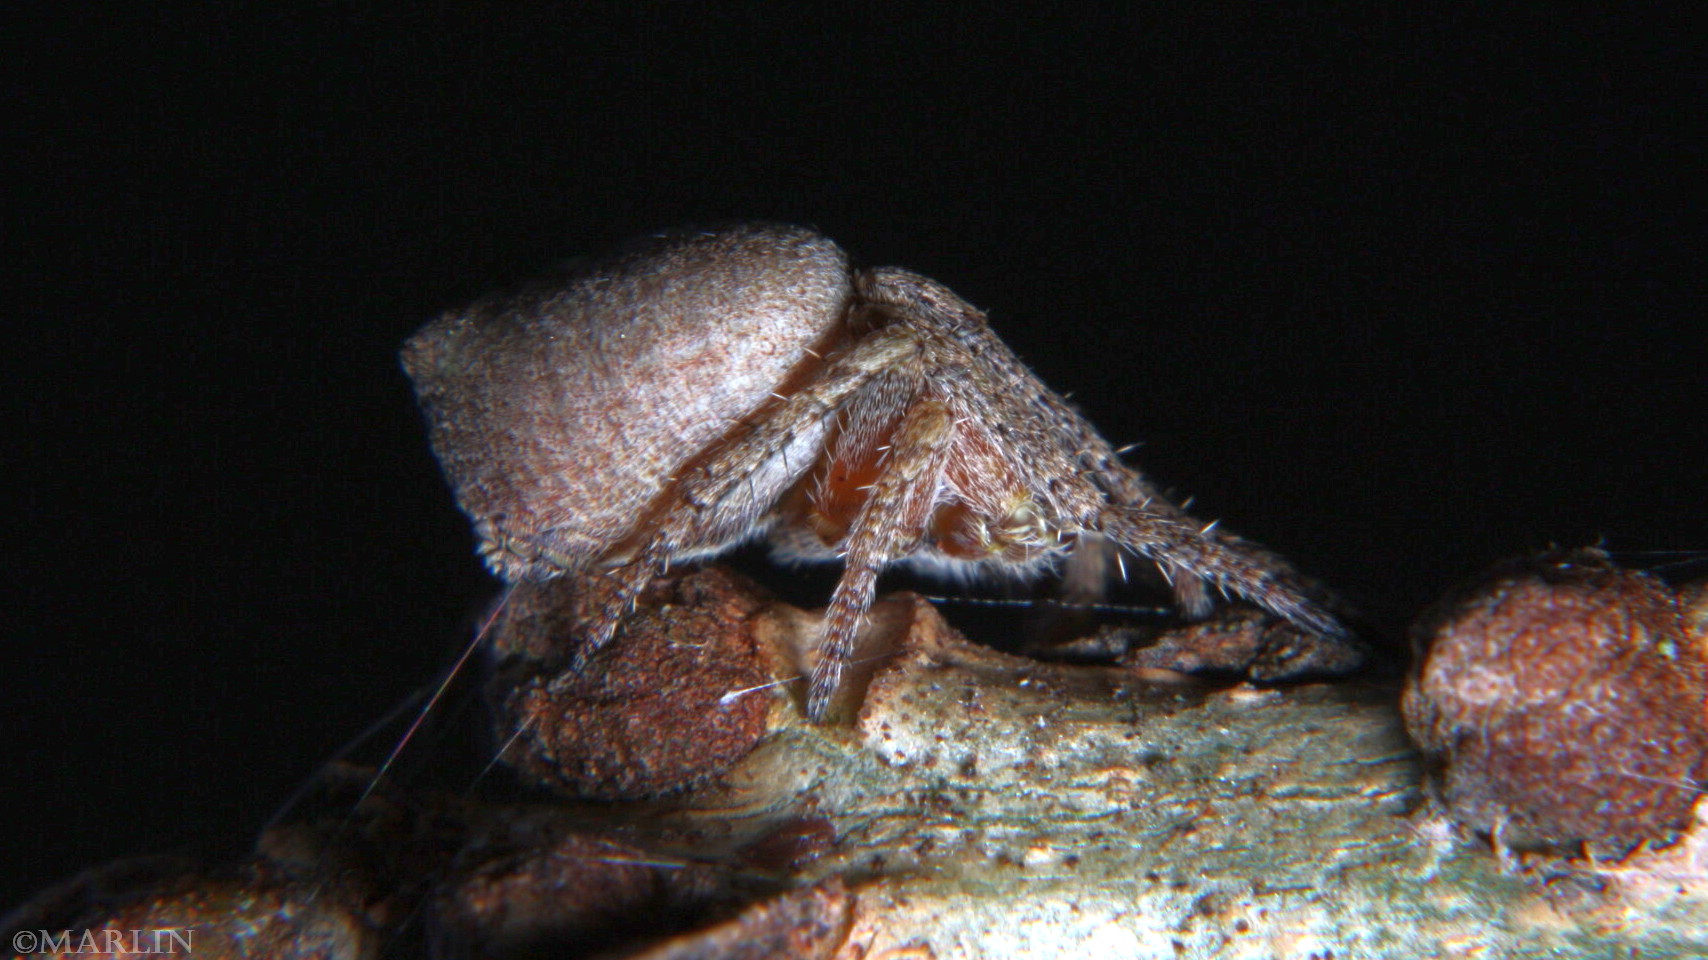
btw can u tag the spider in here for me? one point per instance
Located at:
(705, 388)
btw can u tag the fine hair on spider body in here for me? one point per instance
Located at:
(706, 388)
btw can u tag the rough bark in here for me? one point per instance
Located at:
(989, 806)
(962, 803)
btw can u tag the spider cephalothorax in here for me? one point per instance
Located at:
(706, 388)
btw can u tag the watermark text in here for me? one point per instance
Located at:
(104, 942)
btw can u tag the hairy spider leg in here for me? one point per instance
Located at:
(1184, 550)
(713, 499)
(889, 525)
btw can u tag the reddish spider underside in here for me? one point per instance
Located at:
(706, 388)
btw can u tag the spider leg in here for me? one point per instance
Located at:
(721, 497)
(1126, 486)
(728, 492)
(888, 525)
(1183, 551)
(603, 599)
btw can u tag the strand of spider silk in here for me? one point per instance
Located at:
(734, 695)
(1664, 781)
(965, 601)
(1050, 602)
(1682, 558)
(422, 904)
(438, 694)
(421, 716)
(497, 755)
(727, 698)
(368, 733)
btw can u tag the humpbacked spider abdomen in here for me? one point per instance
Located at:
(707, 388)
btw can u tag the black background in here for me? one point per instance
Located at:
(1397, 295)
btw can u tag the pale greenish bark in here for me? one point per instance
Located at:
(988, 806)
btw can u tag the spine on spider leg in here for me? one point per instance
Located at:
(1252, 573)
